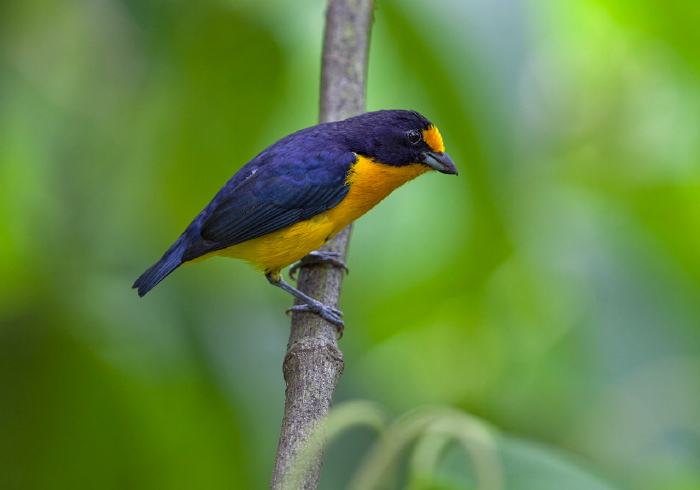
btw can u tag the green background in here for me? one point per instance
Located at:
(551, 290)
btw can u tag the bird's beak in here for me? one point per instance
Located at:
(440, 161)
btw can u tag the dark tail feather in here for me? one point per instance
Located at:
(158, 271)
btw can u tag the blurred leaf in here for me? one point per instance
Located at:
(481, 459)
(532, 466)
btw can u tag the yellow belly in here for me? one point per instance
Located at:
(369, 183)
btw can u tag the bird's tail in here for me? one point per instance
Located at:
(158, 271)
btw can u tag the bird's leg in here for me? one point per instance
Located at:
(329, 314)
(319, 257)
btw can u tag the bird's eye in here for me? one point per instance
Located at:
(414, 136)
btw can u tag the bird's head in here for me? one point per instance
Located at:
(399, 138)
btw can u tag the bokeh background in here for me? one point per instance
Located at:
(550, 291)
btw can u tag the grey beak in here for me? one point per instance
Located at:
(440, 162)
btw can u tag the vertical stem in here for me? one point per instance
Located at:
(313, 363)
(344, 68)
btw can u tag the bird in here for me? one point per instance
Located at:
(301, 191)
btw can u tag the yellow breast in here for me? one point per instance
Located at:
(369, 182)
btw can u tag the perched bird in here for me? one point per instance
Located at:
(301, 191)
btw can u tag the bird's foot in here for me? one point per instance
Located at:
(319, 257)
(332, 315)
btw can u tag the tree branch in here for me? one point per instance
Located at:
(313, 363)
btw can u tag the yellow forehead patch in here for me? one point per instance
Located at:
(434, 139)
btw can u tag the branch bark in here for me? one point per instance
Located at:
(313, 363)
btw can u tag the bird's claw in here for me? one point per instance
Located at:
(332, 315)
(319, 257)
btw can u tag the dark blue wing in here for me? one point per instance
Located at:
(276, 192)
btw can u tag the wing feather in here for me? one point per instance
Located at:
(277, 193)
